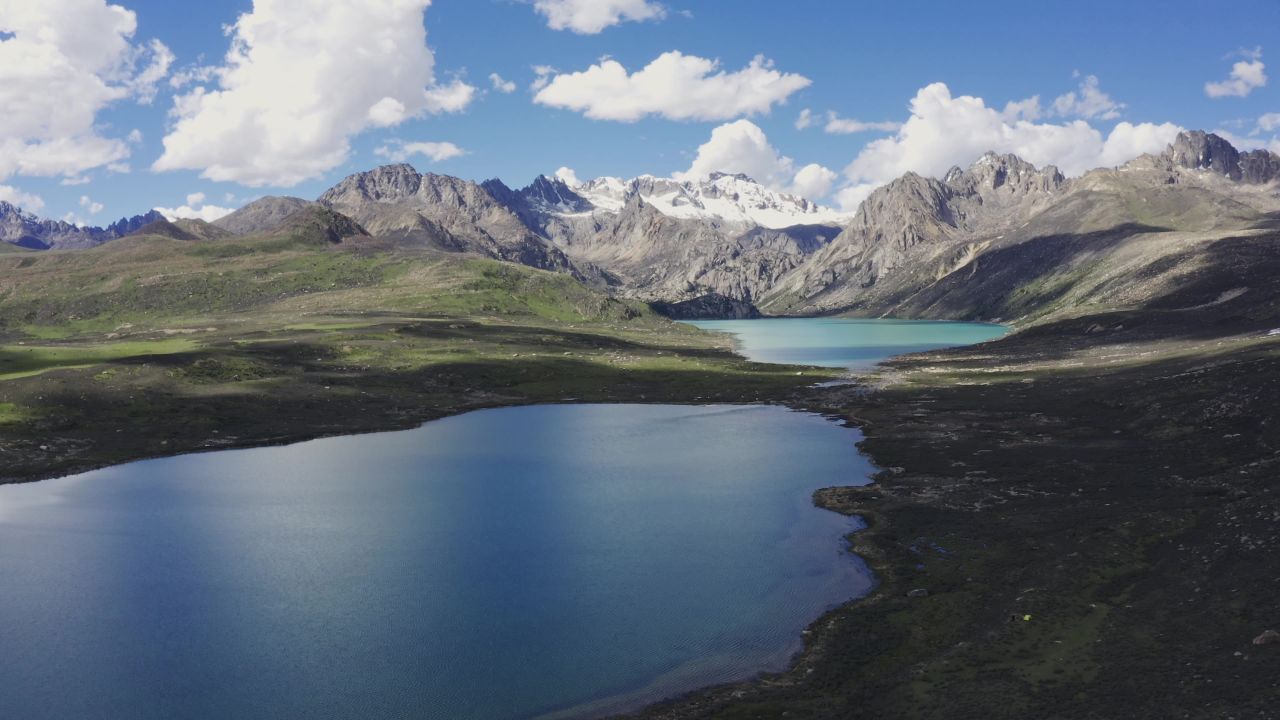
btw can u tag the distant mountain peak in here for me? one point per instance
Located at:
(1200, 150)
(23, 228)
(734, 199)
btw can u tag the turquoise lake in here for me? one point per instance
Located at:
(543, 561)
(846, 342)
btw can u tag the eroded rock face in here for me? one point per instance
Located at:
(443, 212)
(1003, 239)
(914, 222)
(1198, 150)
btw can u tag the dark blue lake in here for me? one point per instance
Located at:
(500, 564)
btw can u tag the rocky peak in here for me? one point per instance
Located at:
(382, 184)
(1016, 176)
(554, 194)
(9, 210)
(127, 226)
(1199, 150)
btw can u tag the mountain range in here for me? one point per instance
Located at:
(26, 230)
(1000, 239)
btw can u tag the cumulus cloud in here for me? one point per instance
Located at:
(501, 84)
(588, 17)
(805, 120)
(1268, 123)
(400, 151)
(292, 90)
(568, 177)
(1246, 76)
(195, 209)
(814, 181)
(61, 63)
(26, 201)
(944, 131)
(674, 86)
(742, 147)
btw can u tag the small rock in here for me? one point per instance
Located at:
(920, 593)
(1270, 637)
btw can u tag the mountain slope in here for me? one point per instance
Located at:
(262, 215)
(670, 241)
(447, 213)
(1003, 240)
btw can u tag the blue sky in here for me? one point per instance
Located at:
(863, 60)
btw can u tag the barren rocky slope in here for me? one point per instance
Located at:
(1004, 240)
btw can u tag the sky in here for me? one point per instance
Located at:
(114, 108)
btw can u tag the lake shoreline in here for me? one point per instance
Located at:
(1015, 579)
(799, 394)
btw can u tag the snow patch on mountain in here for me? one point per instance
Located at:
(735, 199)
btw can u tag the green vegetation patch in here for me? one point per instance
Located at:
(19, 361)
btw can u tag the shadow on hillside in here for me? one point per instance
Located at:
(1020, 279)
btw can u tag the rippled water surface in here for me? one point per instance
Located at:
(500, 564)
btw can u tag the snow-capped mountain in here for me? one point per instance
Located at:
(722, 197)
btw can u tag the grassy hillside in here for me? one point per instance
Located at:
(150, 345)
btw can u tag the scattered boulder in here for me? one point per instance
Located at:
(1270, 637)
(918, 593)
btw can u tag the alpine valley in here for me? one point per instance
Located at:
(1076, 520)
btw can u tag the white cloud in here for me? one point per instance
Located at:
(814, 181)
(1088, 102)
(1252, 142)
(1028, 109)
(742, 147)
(26, 201)
(542, 75)
(568, 176)
(944, 131)
(1246, 76)
(93, 207)
(301, 78)
(588, 17)
(1268, 123)
(207, 213)
(674, 86)
(74, 180)
(61, 63)
(196, 209)
(837, 125)
(805, 120)
(400, 151)
(501, 84)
